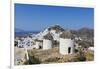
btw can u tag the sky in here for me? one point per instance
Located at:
(32, 17)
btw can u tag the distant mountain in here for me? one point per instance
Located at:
(23, 33)
(19, 30)
(86, 32)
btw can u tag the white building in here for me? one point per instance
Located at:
(56, 36)
(21, 43)
(28, 41)
(38, 44)
(55, 31)
(52, 31)
(66, 43)
(25, 42)
(47, 41)
(91, 48)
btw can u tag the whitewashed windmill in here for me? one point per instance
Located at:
(66, 43)
(47, 41)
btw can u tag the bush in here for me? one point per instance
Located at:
(32, 60)
(80, 56)
(90, 56)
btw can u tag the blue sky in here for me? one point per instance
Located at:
(31, 17)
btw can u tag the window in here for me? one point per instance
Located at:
(69, 49)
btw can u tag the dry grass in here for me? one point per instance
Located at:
(89, 55)
(39, 56)
(50, 56)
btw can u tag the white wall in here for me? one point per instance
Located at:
(47, 44)
(20, 43)
(37, 45)
(53, 31)
(64, 45)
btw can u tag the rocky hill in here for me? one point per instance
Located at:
(54, 30)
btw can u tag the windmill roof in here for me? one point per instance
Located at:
(66, 34)
(48, 36)
(56, 27)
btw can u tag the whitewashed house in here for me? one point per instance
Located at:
(66, 43)
(28, 41)
(21, 43)
(52, 31)
(38, 44)
(91, 48)
(25, 42)
(47, 41)
(78, 38)
(55, 31)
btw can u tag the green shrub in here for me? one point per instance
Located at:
(34, 60)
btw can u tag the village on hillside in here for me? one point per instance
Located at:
(54, 45)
